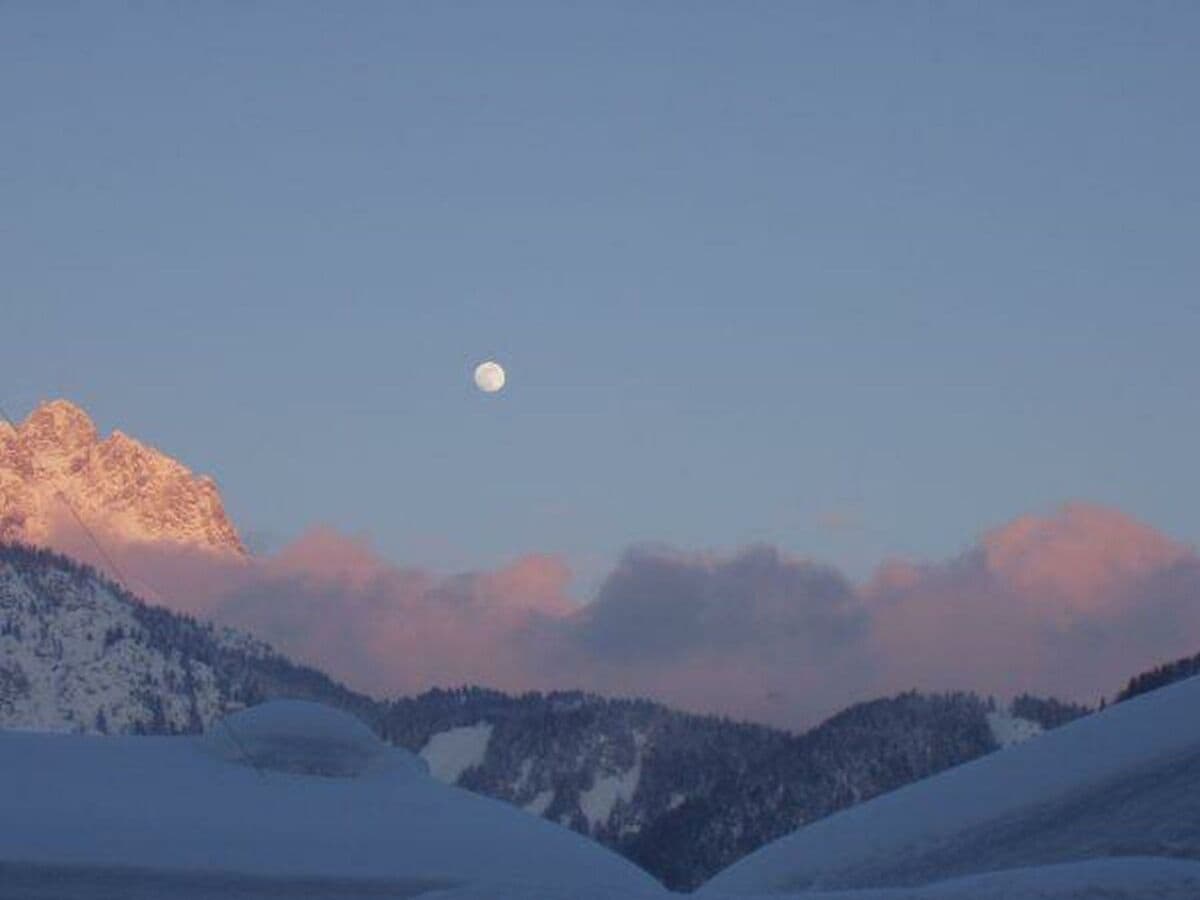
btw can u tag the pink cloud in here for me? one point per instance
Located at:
(1069, 603)
(1082, 554)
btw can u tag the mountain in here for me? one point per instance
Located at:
(287, 799)
(1124, 782)
(116, 484)
(291, 799)
(681, 795)
(1160, 676)
(80, 653)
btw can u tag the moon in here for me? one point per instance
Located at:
(489, 377)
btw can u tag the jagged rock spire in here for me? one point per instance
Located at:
(128, 489)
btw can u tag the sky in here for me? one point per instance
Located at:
(858, 281)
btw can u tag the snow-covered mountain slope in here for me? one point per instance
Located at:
(117, 485)
(1008, 729)
(1123, 878)
(681, 795)
(1122, 782)
(294, 799)
(78, 653)
(1118, 878)
(187, 805)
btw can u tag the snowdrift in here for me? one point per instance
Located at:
(305, 739)
(1123, 782)
(287, 793)
(1133, 878)
(295, 800)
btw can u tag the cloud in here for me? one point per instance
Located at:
(1081, 556)
(732, 634)
(1070, 603)
(659, 605)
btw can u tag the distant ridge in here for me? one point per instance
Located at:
(682, 795)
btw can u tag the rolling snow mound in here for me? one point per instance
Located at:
(1124, 782)
(304, 738)
(102, 817)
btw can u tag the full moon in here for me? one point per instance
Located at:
(489, 377)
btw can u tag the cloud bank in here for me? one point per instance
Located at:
(1070, 603)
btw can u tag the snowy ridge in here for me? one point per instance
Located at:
(1121, 781)
(1133, 878)
(598, 802)
(171, 805)
(78, 653)
(450, 753)
(305, 738)
(681, 795)
(1009, 729)
(71, 659)
(685, 796)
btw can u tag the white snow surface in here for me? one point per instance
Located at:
(1120, 878)
(177, 806)
(71, 674)
(540, 802)
(1106, 879)
(598, 801)
(452, 752)
(1132, 878)
(304, 738)
(86, 818)
(1008, 729)
(1124, 781)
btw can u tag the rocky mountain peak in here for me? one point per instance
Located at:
(49, 438)
(59, 422)
(129, 489)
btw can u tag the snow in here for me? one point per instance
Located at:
(1121, 878)
(173, 805)
(1125, 781)
(450, 753)
(75, 656)
(598, 801)
(1110, 879)
(86, 818)
(67, 678)
(540, 803)
(523, 775)
(1008, 729)
(503, 891)
(1130, 878)
(305, 738)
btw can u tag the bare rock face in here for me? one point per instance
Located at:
(116, 483)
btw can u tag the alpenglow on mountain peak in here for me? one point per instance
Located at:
(117, 484)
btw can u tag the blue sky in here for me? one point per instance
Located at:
(856, 279)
